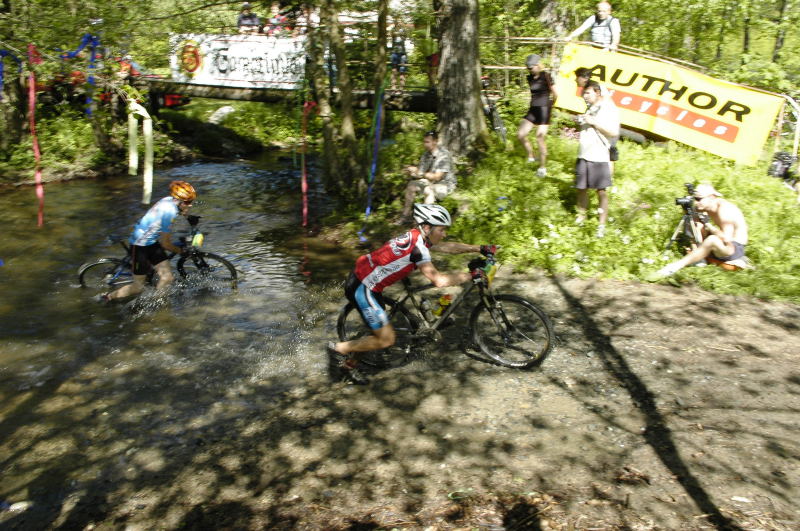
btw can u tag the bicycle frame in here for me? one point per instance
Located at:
(441, 319)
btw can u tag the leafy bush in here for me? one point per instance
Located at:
(533, 218)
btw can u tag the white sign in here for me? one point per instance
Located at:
(242, 61)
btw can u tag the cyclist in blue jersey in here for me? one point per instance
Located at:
(150, 240)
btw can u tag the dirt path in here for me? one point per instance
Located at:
(660, 408)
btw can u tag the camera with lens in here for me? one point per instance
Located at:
(687, 202)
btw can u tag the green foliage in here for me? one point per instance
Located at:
(533, 218)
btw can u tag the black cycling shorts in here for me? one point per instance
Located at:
(145, 257)
(539, 115)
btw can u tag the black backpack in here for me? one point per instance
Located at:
(781, 166)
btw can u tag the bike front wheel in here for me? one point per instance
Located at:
(512, 331)
(351, 326)
(104, 275)
(201, 269)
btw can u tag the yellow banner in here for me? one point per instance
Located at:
(713, 115)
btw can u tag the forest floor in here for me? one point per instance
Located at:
(660, 407)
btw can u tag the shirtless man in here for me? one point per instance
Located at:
(725, 241)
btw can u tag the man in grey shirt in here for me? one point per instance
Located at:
(433, 177)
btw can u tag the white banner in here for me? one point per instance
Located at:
(242, 61)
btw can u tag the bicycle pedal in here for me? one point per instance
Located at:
(450, 321)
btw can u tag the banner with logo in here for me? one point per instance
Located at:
(716, 116)
(241, 61)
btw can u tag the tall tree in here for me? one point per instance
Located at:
(460, 113)
(347, 132)
(784, 21)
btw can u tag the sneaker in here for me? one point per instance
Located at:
(664, 272)
(541, 172)
(347, 366)
(354, 376)
(601, 231)
(531, 160)
(102, 298)
(579, 219)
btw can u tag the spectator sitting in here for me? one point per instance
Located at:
(248, 22)
(605, 29)
(724, 242)
(433, 177)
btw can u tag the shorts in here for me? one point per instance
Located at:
(368, 303)
(145, 257)
(594, 175)
(440, 190)
(738, 252)
(539, 115)
(399, 61)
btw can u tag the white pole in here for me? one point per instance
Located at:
(133, 145)
(147, 130)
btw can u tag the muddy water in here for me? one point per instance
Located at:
(66, 361)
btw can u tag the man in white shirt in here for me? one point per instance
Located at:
(599, 126)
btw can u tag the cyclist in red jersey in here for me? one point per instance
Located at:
(394, 261)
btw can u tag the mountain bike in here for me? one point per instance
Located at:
(195, 267)
(490, 110)
(510, 330)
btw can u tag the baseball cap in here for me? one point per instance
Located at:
(705, 190)
(533, 59)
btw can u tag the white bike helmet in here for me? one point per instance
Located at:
(432, 215)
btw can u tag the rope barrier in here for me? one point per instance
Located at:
(376, 127)
(37, 155)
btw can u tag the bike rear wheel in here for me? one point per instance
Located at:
(104, 275)
(513, 331)
(497, 123)
(351, 326)
(201, 269)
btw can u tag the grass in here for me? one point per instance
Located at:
(501, 201)
(533, 218)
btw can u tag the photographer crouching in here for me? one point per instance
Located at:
(723, 241)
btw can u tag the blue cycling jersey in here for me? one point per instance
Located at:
(157, 220)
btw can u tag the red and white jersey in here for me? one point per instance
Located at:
(394, 261)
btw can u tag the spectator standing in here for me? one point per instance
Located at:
(605, 29)
(433, 177)
(598, 127)
(582, 76)
(543, 94)
(248, 22)
(399, 60)
(276, 24)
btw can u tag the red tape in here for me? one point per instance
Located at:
(37, 155)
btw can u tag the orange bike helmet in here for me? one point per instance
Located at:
(182, 191)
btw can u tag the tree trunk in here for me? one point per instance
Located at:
(783, 23)
(381, 53)
(460, 113)
(347, 133)
(746, 29)
(14, 112)
(552, 16)
(727, 13)
(321, 92)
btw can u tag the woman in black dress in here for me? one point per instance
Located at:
(543, 95)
